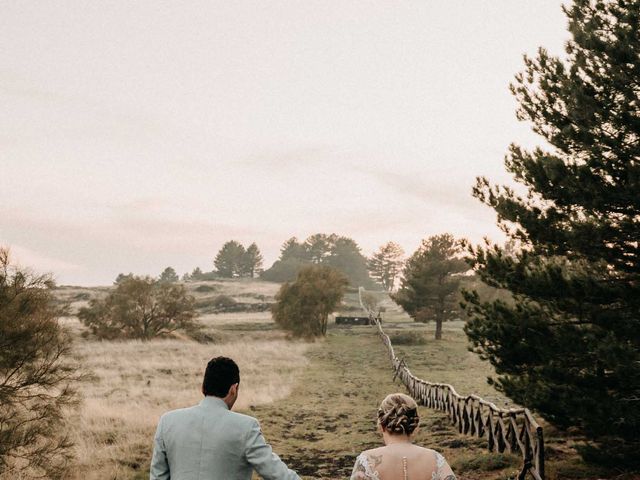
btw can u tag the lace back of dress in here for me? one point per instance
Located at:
(404, 468)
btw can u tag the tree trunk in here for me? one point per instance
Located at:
(439, 318)
(439, 328)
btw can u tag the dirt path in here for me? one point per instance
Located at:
(330, 416)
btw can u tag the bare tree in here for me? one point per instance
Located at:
(36, 377)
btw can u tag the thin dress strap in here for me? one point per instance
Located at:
(404, 468)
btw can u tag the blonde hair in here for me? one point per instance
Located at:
(398, 414)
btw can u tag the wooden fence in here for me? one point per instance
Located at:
(513, 430)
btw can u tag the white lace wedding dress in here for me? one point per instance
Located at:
(362, 470)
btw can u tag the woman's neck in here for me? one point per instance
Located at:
(395, 439)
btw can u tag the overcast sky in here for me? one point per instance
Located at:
(140, 134)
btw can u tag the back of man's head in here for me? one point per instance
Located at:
(221, 373)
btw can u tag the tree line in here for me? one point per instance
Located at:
(233, 260)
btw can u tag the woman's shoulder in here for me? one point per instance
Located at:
(373, 451)
(371, 458)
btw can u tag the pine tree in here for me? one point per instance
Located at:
(385, 264)
(431, 280)
(251, 261)
(292, 249)
(345, 255)
(228, 261)
(569, 343)
(168, 275)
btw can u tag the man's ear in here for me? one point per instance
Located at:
(233, 389)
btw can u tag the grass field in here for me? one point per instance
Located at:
(316, 401)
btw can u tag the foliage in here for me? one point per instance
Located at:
(205, 288)
(168, 275)
(385, 264)
(223, 301)
(228, 261)
(251, 262)
(139, 307)
(283, 270)
(303, 307)
(122, 277)
(431, 280)
(332, 250)
(36, 377)
(408, 338)
(569, 344)
(292, 249)
(344, 254)
(194, 276)
(233, 260)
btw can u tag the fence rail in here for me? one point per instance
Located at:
(507, 430)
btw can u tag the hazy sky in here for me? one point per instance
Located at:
(140, 134)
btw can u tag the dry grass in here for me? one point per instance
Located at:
(134, 383)
(213, 320)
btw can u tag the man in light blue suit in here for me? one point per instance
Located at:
(209, 441)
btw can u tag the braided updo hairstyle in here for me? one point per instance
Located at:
(398, 414)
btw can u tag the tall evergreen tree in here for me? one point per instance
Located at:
(385, 264)
(251, 261)
(569, 343)
(168, 275)
(431, 280)
(292, 249)
(332, 250)
(318, 247)
(346, 256)
(228, 261)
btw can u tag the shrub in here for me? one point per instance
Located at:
(408, 338)
(139, 307)
(36, 377)
(303, 307)
(205, 289)
(222, 301)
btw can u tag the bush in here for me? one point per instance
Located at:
(222, 301)
(303, 307)
(140, 308)
(36, 377)
(408, 338)
(205, 289)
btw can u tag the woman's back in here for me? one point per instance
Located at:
(401, 461)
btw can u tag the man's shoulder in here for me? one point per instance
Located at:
(242, 419)
(178, 413)
(235, 417)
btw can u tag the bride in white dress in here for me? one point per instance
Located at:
(400, 459)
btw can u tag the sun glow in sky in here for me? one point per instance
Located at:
(137, 135)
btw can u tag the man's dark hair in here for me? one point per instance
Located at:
(221, 373)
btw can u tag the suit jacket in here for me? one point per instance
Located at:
(210, 442)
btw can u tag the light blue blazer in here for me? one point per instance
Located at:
(210, 442)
